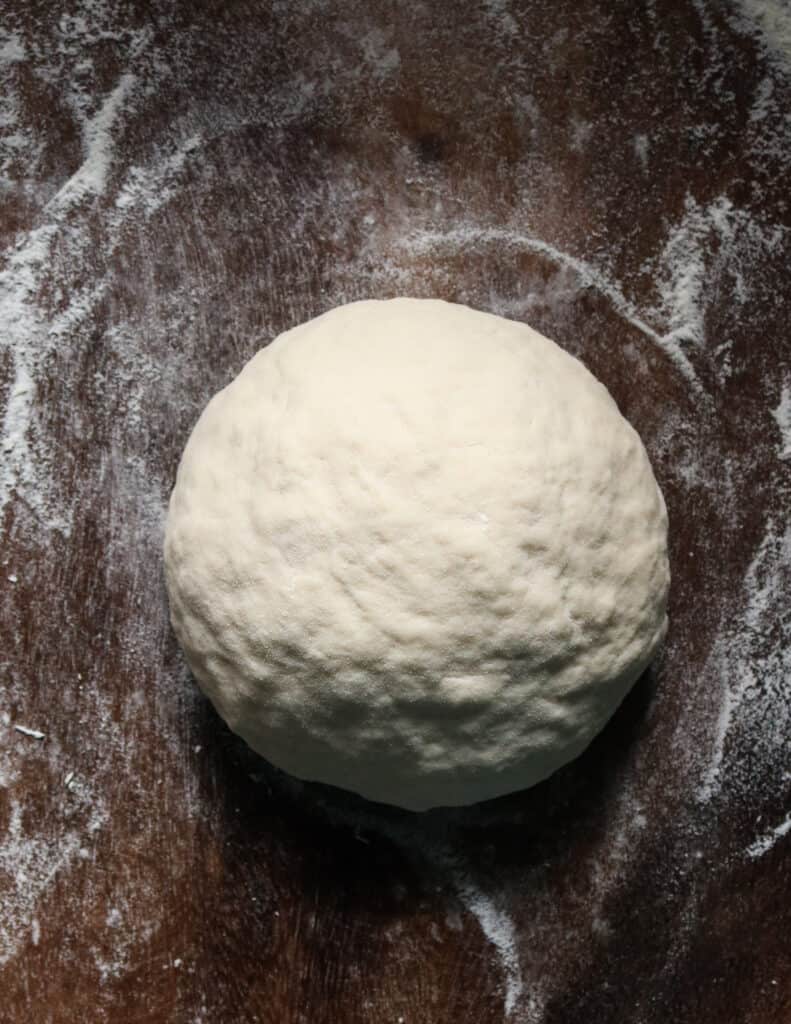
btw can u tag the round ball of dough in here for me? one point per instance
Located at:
(415, 551)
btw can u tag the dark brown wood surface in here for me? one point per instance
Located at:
(178, 183)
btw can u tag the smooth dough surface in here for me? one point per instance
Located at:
(414, 550)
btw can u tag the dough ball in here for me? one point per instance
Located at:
(415, 551)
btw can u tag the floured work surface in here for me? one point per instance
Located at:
(177, 188)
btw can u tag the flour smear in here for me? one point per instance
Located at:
(57, 274)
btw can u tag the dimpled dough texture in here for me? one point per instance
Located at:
(415, 551)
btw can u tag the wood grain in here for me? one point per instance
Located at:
(181, 181)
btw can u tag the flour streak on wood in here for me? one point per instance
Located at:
(179, 184)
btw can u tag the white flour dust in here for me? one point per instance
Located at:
(782, 417)
(90, 178)
(709, 242)
(499, 929)
(38, 273)
(30, 334)
(768, 21)
(770, 839)
(750, 664)
(627, 822)
(469, 237)
(31, 862)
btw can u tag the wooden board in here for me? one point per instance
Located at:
(178, 183)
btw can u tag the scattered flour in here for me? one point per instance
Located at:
(147, 189)
(710, 242)
(12, 49)
(715, 238)
(588, 274)
(770, 22)
(90, 178)
(30, 335)
(40, 266)
(782, 417)
(769, 839)
(501, 18)
(626, 824)
(641, 148)
(380, 53)
(499, 929)
(31, 864)
(114, 918)
(752, 658)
